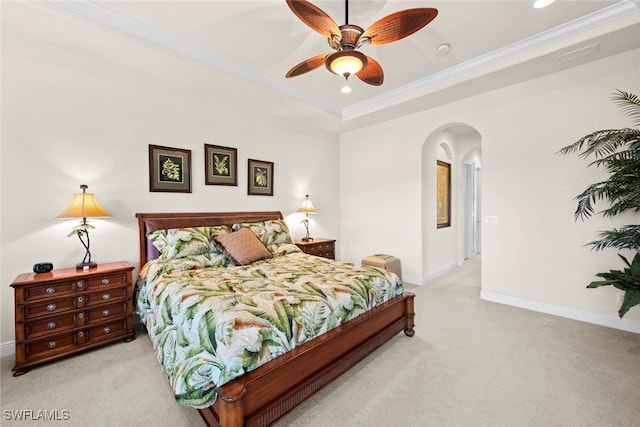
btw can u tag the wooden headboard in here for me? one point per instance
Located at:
(159, 221)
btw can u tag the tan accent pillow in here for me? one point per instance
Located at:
(242, 246)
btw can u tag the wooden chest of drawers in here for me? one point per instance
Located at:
(67, 311)
(319, 247)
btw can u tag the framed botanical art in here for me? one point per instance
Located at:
(169, 169)
(220, 165)
(260, 182)
(444, 194)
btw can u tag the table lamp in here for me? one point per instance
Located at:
(84, 205)
(306, 208)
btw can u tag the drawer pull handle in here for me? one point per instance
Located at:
(81, 315)
(79, 283)
(81, 334)
(51, 307)
(51, 325)
(107, 330)
(80, 299)
(105, 281)
(52, 344)
(106, 296)
(51, 291)
(106, 313)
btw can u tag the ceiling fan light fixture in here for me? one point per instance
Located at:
(346, 88)
(346, 62)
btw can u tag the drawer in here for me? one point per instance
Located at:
(324, 247)
(106, 330)
(48, 291)
(106, 312)
(106, 296)
(49, 347)
(50, 325)
(329, 254)
(115, 279)
(48, 307)
(326, 250)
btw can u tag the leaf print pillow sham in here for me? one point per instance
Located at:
(176, 243)
(272, 233)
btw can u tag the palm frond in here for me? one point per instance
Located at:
(590, 196)
(627, 237)
(605, 142)
(621, 198)
(630, 104)
(624, 155)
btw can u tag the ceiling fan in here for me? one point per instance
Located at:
(347, 38)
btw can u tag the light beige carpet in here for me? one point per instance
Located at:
(471, 363)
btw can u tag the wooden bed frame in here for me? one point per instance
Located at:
(260, 397)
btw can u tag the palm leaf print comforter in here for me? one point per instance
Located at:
(210, 325)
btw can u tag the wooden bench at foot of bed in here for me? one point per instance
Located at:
(260, 397)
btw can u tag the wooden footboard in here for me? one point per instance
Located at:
(262, 396)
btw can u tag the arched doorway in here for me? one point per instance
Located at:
(446, 247)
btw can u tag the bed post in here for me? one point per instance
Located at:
(410, 314)
(231, 411)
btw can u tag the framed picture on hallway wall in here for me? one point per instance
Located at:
(443, 194)
(169, 169)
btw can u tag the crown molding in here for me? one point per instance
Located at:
(454, 74)
(448, 77)
(102, 15)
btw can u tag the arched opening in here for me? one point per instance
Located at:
(445, 247)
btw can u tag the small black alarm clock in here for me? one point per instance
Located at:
(42, 267)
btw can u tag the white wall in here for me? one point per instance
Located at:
(80, 105)
(536, 253)
(378, 212)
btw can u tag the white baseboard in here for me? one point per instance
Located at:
(7, 348)
(440, 272)
(556, 310)
(411, 280)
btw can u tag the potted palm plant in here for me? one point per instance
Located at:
(618, 151)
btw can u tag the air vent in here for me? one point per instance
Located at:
(579, 53)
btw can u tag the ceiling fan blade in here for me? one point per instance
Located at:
(307, 65)
(372, 73)
(398, 25)
(315, 18)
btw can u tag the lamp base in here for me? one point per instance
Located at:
(86, 265)
(307, 239)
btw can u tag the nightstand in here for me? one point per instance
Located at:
(319, 247)
(67, 311)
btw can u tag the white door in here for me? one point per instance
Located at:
(471, 210)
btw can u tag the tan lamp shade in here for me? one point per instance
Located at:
(307, 206)
(84, 205)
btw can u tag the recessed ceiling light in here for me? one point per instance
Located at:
(443, 49)
(539, 4)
